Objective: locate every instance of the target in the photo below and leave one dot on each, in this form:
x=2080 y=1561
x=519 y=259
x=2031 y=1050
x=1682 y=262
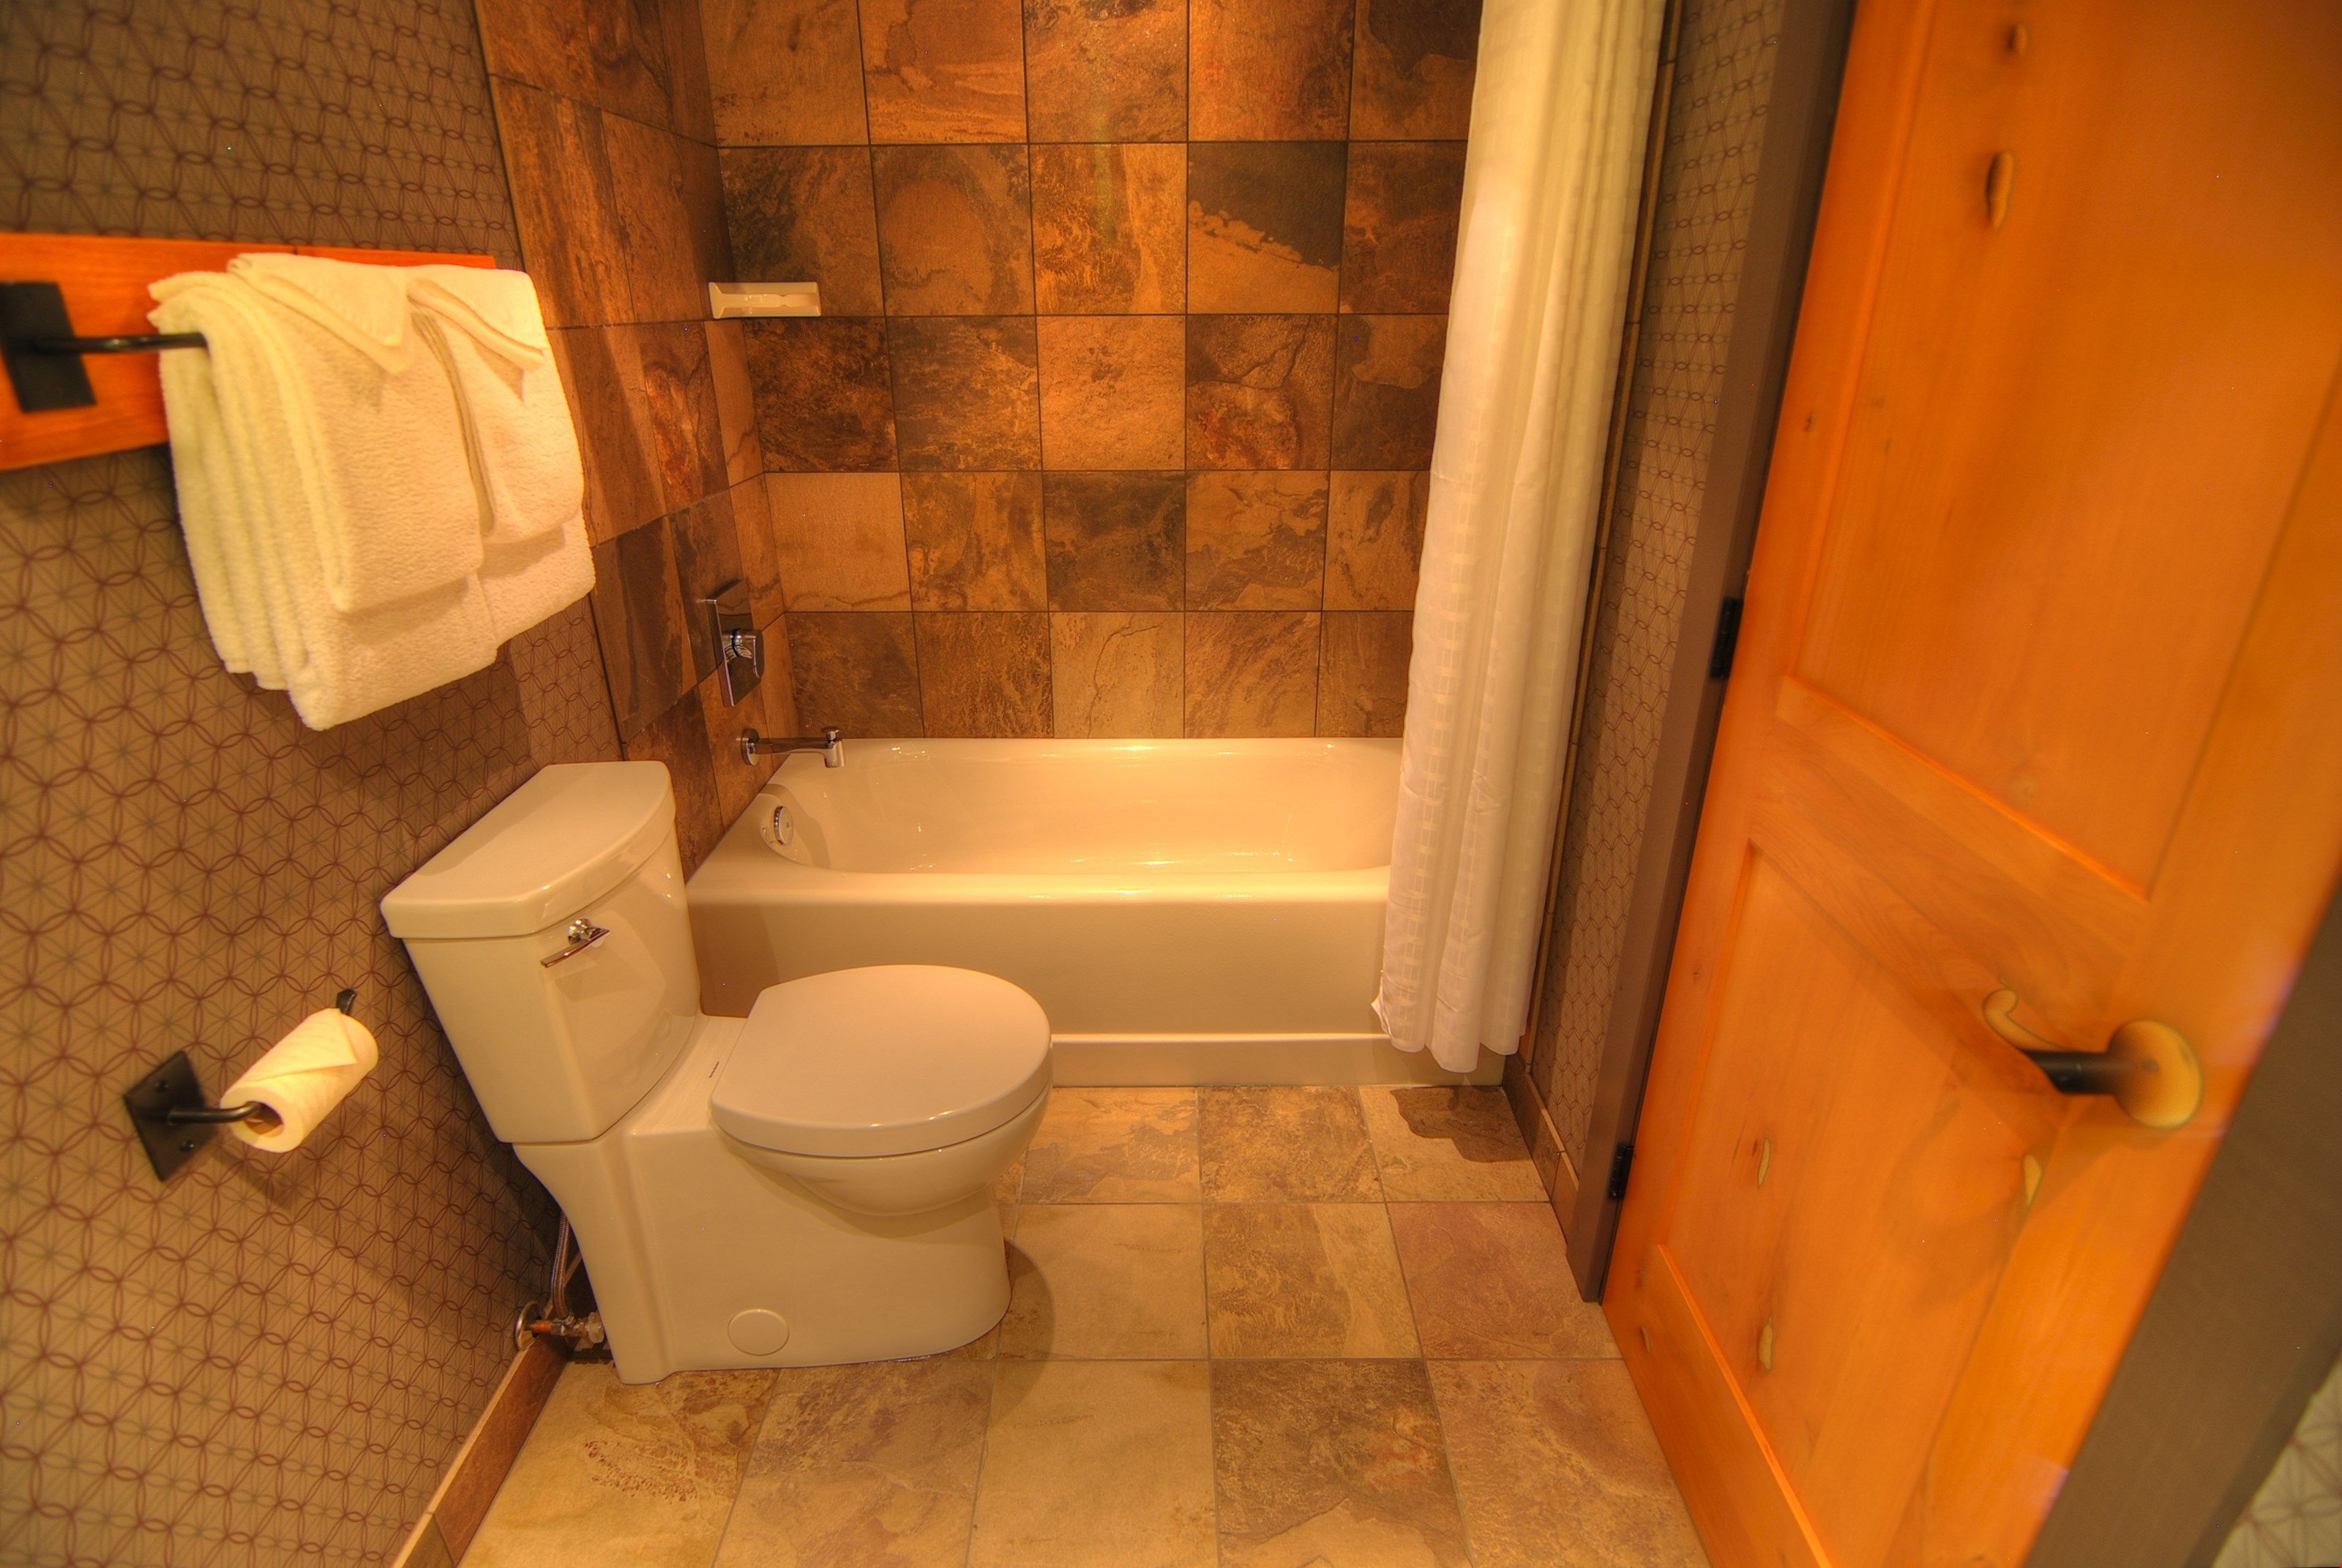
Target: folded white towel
x=523 y=450
x=527 y=580
x=364 y=307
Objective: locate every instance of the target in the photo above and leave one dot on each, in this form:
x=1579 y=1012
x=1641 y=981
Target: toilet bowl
x=809 y=1185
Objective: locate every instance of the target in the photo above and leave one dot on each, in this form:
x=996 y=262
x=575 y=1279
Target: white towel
x=516 y=416
x=529 y=579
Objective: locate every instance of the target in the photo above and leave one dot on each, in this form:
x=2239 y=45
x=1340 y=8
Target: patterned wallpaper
x=1117 y=420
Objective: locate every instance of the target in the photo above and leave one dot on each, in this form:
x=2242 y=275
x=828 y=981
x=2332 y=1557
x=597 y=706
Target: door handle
x=583 y=934
x=2147 y=1068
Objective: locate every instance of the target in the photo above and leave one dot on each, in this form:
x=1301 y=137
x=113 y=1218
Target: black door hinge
x=1622 y=1159
x=1727 y=638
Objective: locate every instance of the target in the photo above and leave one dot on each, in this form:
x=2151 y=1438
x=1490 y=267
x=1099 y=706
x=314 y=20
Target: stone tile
x=760 y=561
x=1262 y=73
x=1387 y=390
x=1305 y=1280
x=735 y=400
x=976 y=541
x=805 y=215
x=1265 y=225
x=1113 y=1145
x=685 y=423
x=1330 y=1462
x=984 y=672
x=1373 y=540
x=873 y=1465
x=824 y=397
x=1286 y=1144
x=601 y=371
x=1107 y=70
x=1113 y=391
x=785 y=73
x=736 y=778
x=1106 y=1282
x=565 y=205
x=1558 y=1467
x=638 y=612
x=706 y=558
x=839 y=540
x=1436 y=1141
x=1252 y=673
x=1492 y=1281
x=944 y=70
x=1362 y=672
x=1413 y=75
x=858 y=671
x=1260 y=391
x=641 y=1473
x=1133 y=1442
x=1255 y=541
x=670 y=206
x=968 y=392
x=1114 y=675
x=1110 y=228
x=1399 y=225
x=678 y=738
x=1116 y=541
x=954 y=229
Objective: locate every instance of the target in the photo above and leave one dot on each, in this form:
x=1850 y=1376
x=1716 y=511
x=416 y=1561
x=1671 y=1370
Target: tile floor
x=1250 y=1327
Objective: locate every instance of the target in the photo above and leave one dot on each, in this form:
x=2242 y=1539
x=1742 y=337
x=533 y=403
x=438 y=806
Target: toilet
x=809 y=1185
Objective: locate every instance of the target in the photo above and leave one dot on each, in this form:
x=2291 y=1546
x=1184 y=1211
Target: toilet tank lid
x=550 y=848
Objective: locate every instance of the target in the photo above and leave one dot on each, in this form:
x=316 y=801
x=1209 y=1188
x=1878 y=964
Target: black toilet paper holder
x=170 y=1115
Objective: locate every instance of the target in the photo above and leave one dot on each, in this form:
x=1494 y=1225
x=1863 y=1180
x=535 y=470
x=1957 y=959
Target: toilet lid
x=888 y=1060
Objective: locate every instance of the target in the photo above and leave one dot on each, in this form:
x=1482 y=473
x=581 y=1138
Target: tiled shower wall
x=1117 y=418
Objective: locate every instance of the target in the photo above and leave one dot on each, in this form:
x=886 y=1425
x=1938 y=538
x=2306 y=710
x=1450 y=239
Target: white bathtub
x=1188 y=912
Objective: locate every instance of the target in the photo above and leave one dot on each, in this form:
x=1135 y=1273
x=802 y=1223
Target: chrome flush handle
x=583 y=934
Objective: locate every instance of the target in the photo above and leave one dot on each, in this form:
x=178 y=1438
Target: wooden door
x=2040 y=689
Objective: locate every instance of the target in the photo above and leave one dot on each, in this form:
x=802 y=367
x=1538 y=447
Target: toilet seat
x=888 y=1060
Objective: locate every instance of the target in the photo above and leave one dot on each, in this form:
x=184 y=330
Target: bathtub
x=1186 y=912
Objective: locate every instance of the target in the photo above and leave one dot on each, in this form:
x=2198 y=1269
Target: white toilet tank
x=558 y=1052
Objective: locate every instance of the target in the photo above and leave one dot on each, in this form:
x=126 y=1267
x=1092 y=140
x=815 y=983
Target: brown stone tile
x=1448 y=1141
x=1131 y=1440
x=968 y=392
x=1113 y=1147
x=944 y=70
x=638 y=612
x=954 y=230
x=1399 y=225
x=805 y=215
x=735 y=400
x=785 y=73
x=1252 y=673
x=1110 y=228
x=1492 y=1281
x=856 y=670
x=1262 y=73
x=1362 y=672
x=670 y=206
x=613 y=1472
x=874 y=1466
x=1107 y=70
x=707 y=557
x=565 y=205
x=736 y=777
x=685 y=421
x=760 y=561
x=1260 y=391
x=1116 y=541
x=1113 y=391
x=984 y=672
x=1255 y=541
x=1114 y=675
x=1264 y=226
x=1414 y=68
x=976 y=541
x=1305 y=1280
x=839 y=539
x=1286 y=1144
x=679 y=738
x=1104 y=1282
x=1331 y=1462
x=601 y=371
x=1387 y=390
x=824 y=398
x=1373 y=540
x=1558 y=1467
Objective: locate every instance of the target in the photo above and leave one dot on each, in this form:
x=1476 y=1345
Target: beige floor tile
x=1491 y=1280
x=1295 y=1144
x=1305 y=1280
x=873 y=1465
x=1096 y=1464
x=1558 y=1467
x=1106 y=1282
x=1440 y=1143
x=1113 y=1147
x=1331 y=1462
x=641 y=1473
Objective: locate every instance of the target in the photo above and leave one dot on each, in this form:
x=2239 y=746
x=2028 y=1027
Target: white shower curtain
x=1550 y=185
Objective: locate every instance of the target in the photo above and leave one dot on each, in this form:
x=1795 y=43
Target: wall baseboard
x=452 y=1518
x=1546 y=1150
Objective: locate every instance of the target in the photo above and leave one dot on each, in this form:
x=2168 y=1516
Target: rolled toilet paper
x=302 y=1077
